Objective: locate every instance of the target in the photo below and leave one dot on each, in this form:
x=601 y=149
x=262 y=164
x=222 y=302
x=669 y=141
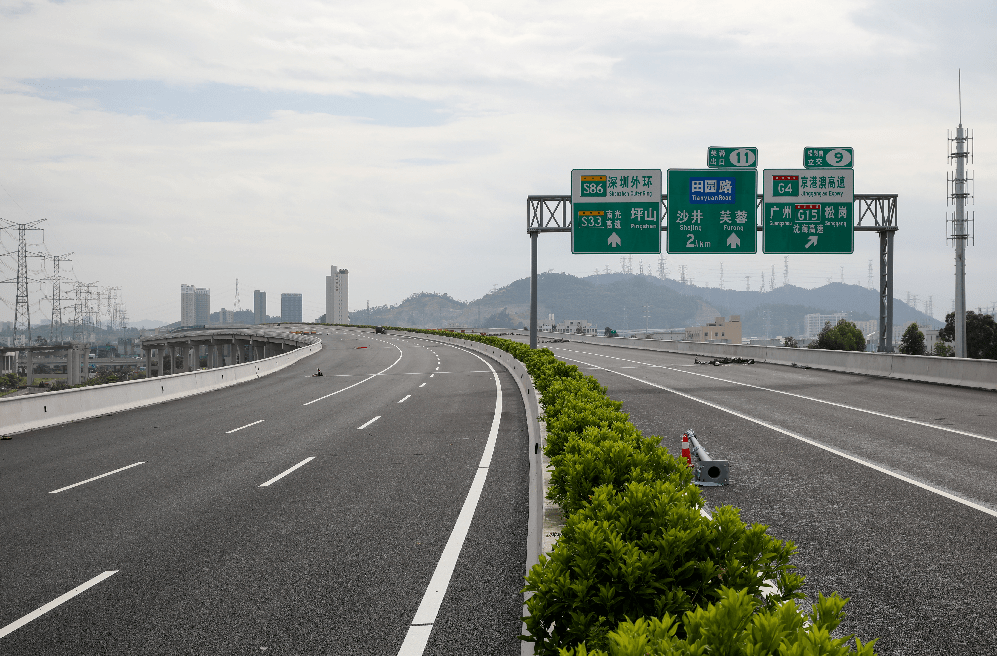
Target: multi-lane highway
x=382 y=504
x=888 y=488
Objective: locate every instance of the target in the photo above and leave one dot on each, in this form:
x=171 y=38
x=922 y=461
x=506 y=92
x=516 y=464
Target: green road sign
x=711 y=211
x=615 y=211
x=830 y=157
x=807 y=211
x=719 y=157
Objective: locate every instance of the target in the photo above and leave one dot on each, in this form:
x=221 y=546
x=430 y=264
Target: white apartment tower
x=337 y=296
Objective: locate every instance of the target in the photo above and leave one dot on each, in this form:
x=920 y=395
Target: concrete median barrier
x=981 y=374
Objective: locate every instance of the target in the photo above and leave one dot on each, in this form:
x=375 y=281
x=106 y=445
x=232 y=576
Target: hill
x=631 y=302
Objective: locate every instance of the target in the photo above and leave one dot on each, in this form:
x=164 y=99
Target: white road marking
x=285 y=473
x=246 y=426
x=400 y=354
x=369 y=422
x=437 y=367
x=407 y=396
x=422 y=624
x=829 y=449
x=69 y=487
x=423 y=385
x=806 y=398
x=35 y=614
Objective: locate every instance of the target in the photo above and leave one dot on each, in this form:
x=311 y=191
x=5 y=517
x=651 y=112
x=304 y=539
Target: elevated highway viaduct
x=887 y=487
x=288 y=514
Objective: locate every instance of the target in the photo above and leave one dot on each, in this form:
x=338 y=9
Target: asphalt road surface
x=263 y=519
x=888 y=488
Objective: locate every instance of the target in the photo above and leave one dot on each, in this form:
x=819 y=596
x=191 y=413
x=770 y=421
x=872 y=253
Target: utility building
x=290 y=308
x=337 y=290
x=719 y=331
x=259 y=307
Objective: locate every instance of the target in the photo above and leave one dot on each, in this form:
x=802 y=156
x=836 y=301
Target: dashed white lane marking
x=400 y=354
x=69 y=487
x=369 y=422
x=407 y=396
x=423 y=385
x=422 y=624
x=35 y=614
x=799 y=396
x=288 y=471
x=246 y=426
x=829 y=449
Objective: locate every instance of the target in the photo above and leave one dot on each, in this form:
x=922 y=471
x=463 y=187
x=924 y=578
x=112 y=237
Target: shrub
x=735 y=626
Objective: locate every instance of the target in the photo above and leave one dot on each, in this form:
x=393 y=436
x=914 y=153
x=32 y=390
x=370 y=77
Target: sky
x=204 y=142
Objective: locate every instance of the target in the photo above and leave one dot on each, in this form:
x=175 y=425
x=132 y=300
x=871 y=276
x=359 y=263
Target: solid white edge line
x=865 y=463
x=285 y=473
x=35 y=614
x=400 y=354
x=407 y=396
x=246 y=426
x=369 y=423
x=422 y=624
x=799 y=396
x=69 y=487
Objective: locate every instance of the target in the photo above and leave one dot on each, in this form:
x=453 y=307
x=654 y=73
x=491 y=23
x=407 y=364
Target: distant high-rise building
x=203 y=297
x=337 y=292
x=259 y=307
x=195 y=306
x=290 y=308
x=188 y=305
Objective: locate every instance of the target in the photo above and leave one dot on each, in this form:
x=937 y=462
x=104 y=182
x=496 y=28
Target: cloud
x=200 y=142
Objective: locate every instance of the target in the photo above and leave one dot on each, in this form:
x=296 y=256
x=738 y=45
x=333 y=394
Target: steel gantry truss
x=874 y=213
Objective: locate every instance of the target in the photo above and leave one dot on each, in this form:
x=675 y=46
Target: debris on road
x=718 y=362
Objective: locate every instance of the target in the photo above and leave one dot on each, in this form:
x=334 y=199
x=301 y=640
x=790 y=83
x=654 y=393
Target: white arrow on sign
x=813 y=241
x=733 y=241
x=614 y=240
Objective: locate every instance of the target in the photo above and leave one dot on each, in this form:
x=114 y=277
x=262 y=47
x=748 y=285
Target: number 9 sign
x=822 y=158
x=839 y=157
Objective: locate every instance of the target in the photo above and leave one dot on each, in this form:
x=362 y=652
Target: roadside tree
x=845 y=336
x=981 y=334
x=912 y=343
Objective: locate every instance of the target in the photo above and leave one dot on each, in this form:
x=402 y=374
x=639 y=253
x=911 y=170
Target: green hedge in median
x=639 y=569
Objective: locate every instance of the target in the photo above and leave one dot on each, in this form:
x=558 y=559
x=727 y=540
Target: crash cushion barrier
x=25 y=413
x=963 y=372
x=537 y=435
